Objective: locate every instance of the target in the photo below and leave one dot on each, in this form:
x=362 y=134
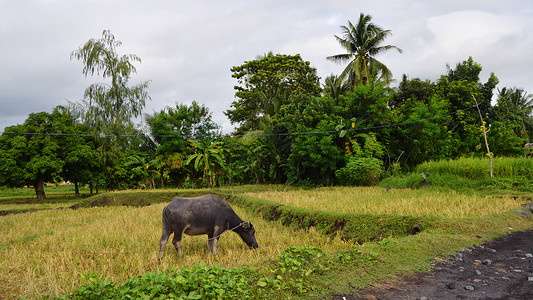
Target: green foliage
x=360 y=171
x=515 y=108
x=314 y=157
x=293 y=268
x=266 y=84
x=171 y=128
x=208 y=159
x=198 y=282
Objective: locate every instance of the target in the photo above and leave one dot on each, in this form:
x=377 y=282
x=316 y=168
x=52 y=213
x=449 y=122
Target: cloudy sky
x=188 y=47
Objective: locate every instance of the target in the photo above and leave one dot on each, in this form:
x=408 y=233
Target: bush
x=360 y=171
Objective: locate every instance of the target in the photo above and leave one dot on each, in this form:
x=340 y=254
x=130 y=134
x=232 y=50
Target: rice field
x=375 y=200
x=46 y=252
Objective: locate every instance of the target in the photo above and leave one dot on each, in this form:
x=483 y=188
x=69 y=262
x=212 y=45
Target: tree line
x=289 y=128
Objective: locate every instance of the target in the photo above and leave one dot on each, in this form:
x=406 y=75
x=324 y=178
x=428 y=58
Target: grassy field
x=45 y=253
x=376 y=200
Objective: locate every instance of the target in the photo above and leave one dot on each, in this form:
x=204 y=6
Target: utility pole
x=489 y=154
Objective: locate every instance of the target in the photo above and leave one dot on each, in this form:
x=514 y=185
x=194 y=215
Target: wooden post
x=485 y=135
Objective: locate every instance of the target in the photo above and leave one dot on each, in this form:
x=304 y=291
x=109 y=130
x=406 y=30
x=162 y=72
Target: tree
x=267 y=83
x=171 y=128
x=362 y=43
x=516 y=105
x=335 y=86
x=37 y=151
x=108 y=108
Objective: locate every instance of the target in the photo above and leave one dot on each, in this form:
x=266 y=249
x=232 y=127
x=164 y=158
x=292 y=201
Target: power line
x=240 y=135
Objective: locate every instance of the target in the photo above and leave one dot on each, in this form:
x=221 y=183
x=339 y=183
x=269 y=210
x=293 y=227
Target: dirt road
x=499 y=269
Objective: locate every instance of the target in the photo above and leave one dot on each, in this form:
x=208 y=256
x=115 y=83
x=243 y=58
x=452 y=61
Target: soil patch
x=499 y=269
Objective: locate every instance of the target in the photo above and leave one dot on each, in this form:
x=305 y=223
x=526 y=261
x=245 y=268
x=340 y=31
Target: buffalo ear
x=246 y=226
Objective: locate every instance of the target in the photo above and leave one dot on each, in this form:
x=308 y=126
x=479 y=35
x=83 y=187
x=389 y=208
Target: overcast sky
x=188 y=47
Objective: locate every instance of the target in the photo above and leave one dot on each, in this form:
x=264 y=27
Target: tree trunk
x=161 y=175
x=91 y=188
x=76 y=190
x=39 y=188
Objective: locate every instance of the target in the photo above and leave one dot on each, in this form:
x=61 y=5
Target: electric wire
x=242 y=135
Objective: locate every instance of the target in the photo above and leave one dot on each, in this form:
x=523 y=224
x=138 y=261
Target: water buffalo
x=207 y=214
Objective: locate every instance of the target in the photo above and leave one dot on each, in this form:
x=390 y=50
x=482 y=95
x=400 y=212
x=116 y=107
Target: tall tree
x=109 y=107
x=362 y=43
x=516 y=105
x=267 y=83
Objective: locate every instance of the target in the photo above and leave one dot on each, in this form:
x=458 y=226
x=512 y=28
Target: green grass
x=477 y=168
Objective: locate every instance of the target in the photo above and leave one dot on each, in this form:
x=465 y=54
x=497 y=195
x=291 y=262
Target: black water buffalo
x=207 y=214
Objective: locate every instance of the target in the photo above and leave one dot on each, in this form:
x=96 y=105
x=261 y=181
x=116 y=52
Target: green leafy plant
x=360 y=171
x=198 y=282
x=293 y=268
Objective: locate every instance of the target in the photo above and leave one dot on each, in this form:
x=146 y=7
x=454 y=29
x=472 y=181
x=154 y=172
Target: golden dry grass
x=44 y=253
x=375 y=200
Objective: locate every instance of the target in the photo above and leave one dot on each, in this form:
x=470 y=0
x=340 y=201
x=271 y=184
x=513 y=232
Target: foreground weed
x=198 y=282
x=355 y=256
x=293 y=269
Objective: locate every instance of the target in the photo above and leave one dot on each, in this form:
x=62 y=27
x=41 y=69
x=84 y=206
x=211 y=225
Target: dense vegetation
x=354 y=129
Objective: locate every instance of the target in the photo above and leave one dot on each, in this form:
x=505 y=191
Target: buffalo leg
x=176 y=241
x=164 y=238
x=213 y=240
x=212 y=243
x=209 y=244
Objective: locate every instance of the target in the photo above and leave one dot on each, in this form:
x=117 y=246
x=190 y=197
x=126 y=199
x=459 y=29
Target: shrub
x=360 y=171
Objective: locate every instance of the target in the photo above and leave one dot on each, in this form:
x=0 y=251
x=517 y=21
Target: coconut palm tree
x=334 y=86
x=518 y=105
x=362 y=43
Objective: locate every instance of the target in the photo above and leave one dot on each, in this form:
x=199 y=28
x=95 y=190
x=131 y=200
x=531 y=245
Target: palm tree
x=335 y=86
x=207 y=158
x=362 y=43
x=518 y=105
